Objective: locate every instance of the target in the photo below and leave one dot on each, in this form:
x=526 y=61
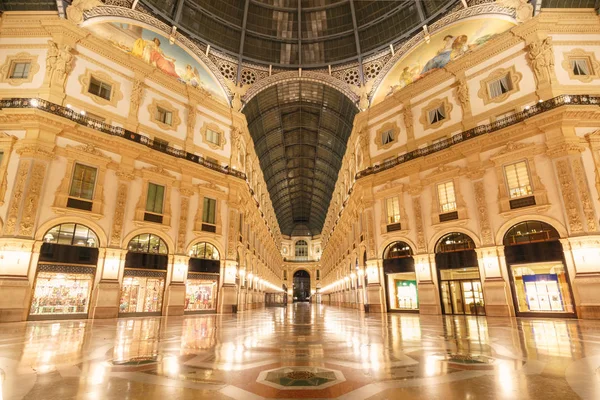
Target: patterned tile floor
x=304 y=351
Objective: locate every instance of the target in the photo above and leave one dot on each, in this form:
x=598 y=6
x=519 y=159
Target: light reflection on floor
x=314 y=351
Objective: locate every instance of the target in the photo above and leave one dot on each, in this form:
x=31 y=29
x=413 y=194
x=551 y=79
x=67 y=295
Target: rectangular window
x=155 y=199
x=446 y=197
x=498 y=87
x=164 y=116
x=20 y=70
x=393 y=210
x=517 y=179
x=99 y=88
x=436 y=115
x=83 y=182
x=213 y=137
x=580 y=66
x=209 y=211
x=387 y=136
x=1 y=157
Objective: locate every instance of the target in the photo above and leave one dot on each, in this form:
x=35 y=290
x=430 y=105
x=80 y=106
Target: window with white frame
x=387 y=136
x=155 y=198
x=164 y=116
x=213 y=137
x=499 y=86
x=446 y=197
x=99 y=88
x=436 y=115
x=581 y=66
x=392 y=206
x=517 y=180
x=20 y=69
x=82 y=182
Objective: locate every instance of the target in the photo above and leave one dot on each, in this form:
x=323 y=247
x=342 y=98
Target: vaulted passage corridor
x=302 y=351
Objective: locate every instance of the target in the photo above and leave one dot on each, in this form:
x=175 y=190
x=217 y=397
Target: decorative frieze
x=119 y=215
x=569 y=195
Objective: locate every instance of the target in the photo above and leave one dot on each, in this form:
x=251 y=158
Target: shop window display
x=542 y=287
x=61 y=293
x=403 y=291
x=201 y=294
x=141 y=294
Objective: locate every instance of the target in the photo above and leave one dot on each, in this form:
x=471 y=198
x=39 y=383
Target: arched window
x=530 y=232
x=397 y=250
x=455 y=241
x=205 y=251
x=72 y=235
x=147 y=243
x=301 y=248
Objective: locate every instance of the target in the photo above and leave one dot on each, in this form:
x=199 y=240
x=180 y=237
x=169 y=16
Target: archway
x=458 y=273
x=65 y=272
x=538 y=274
x=202 y=284
x=400 y=277
x=301 y=285
x=144 y=276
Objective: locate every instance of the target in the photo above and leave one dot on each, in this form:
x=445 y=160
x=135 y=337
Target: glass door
x=473 y=298
x=446 y=305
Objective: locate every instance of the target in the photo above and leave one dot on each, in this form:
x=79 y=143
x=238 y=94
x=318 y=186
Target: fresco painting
x=445 y=46
x=156 y=50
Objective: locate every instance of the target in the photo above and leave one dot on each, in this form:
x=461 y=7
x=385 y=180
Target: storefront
x=65 y=273
x=461 y=291
x=400 y=278
x=201 y=293
x=144 y=277
x=202 y=285
x=539 y=278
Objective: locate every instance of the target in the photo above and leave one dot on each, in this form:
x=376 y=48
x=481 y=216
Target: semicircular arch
x=72 y=219
x=560 y=228
x=166 y=238
x=436 y=238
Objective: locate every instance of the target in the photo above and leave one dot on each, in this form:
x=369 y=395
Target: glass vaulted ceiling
x=307 y=33
x=300 y=130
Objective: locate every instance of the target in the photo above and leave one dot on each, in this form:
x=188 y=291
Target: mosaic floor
x=303 y=351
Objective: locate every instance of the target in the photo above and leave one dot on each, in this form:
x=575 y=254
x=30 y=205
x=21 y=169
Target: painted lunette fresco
x=156 y=50
x=444 y=46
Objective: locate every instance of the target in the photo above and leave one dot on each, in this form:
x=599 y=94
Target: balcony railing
x=502 y=123
x=83 y=120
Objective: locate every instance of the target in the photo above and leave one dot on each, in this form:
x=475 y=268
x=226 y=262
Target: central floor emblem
x=303 y=378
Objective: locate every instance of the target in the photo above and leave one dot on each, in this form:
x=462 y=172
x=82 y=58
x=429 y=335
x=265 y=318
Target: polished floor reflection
x=304 y=351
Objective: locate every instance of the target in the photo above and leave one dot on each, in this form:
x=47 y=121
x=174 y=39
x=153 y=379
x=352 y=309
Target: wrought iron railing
x=510 y=120
x=113 y=130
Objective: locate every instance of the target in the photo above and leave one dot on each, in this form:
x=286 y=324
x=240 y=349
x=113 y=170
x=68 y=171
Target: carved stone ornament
x=137 y=96
x=584 y=196
x=78 y=7
x=462 y=95
x=482 y=211
x=10 y=228
x=569 y=196
x=523 y=10
x=419 y=224
x=32 y=199
x=185 y=202
x=119 y=215
x=540 y=56
x=59 y=64
x=90 y=149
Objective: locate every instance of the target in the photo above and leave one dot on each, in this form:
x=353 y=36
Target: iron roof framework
x=299 y=33
x=300 y=130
